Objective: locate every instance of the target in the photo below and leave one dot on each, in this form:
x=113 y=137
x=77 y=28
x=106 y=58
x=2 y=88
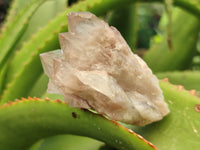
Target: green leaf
x=15 y=30
x=185 y=28
x=3 y=73
x=39 y=87
x=45 y=13
x=22 y=123
x=68 y=142
x=189 y=79
x=14 y=8
x=180 y=129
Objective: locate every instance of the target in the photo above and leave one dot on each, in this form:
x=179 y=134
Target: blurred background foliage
x=169 y=42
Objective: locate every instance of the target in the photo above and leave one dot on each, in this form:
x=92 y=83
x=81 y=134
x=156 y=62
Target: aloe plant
x=67 y=118
x=36 y=123
x=42 y=118
x=189 y=79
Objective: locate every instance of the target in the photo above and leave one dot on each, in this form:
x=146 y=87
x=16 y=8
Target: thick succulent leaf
x=24 y=122
x=180 y=129
x=68 y=142
x=39 y=87
x=189 y=79
x=3 y=73
x=160 y=58
x=192 y=6
x=15 y=30
x=16 y=5
x=14 y=8
x=46 y=12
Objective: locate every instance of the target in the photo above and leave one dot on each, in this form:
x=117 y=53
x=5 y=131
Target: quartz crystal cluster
x=95 y=69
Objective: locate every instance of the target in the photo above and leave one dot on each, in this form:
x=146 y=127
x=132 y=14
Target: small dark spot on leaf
x=197 y=107
x=74 y=115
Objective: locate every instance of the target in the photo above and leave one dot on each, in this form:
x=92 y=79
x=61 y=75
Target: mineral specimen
x=95 y=69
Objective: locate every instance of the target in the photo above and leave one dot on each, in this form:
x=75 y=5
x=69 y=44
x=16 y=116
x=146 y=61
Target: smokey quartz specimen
x=96 y=69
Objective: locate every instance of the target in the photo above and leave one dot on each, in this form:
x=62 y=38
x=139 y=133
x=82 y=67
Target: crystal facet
x=96 y=69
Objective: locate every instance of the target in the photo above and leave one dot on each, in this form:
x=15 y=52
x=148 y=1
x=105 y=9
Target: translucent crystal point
x=96 y=69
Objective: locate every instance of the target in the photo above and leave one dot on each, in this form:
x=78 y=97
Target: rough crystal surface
x=96 y=69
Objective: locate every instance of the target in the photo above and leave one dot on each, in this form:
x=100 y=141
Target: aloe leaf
x=189 y=79
x=15 y=30
x=192 y=6
x=180 y=129
x=3 y=73
x=52 y=96
x=24 y=122
x=160 y=58
x=52 y=7
x=46 y=12
x=68 y=142
x=39 y=87
x=14 y=8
